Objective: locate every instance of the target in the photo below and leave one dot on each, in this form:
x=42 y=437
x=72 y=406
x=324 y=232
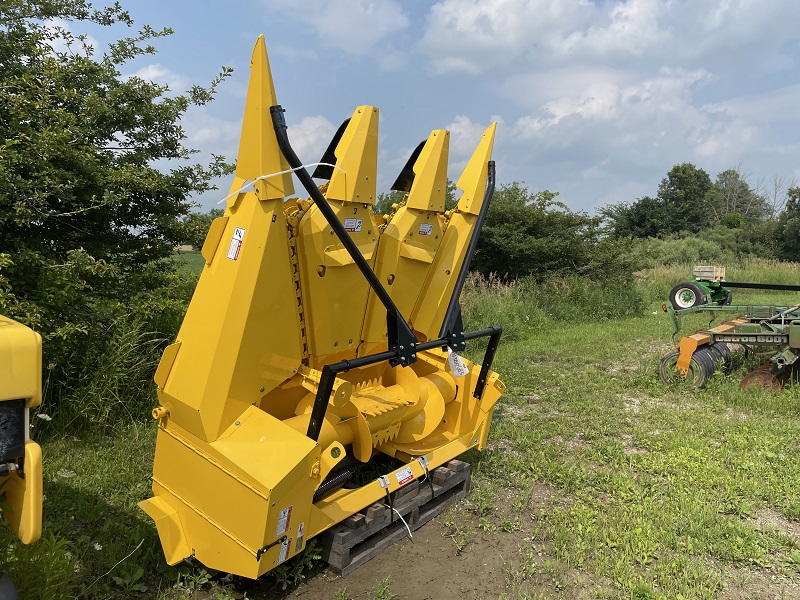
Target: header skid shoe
x=315 y=341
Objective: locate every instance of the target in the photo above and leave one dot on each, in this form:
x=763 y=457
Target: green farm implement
x=771 y=331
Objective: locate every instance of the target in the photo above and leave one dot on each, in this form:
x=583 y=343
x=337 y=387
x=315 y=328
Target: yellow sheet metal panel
x=21 y=357
x=248 y=489
x=240 y=336
x=438 y=287
x=357 y=159
x=429 y=189
x=473 y=179
x=170 y=529
x=406 y=250
x=23 y=497
x=333 y=288
x=213 y=238
x=259 y=154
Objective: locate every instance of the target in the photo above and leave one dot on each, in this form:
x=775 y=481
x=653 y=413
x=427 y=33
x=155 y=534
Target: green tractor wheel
x=687 y=295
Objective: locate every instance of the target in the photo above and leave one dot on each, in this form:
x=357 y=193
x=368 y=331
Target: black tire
x=687 y=295
x=726 y=301
x=697 y=376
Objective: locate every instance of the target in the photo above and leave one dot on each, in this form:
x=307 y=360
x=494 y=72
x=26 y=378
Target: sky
x=595 y=100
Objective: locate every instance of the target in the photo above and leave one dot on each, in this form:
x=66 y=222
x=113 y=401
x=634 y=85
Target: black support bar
x=329 y=373
x=787 y=287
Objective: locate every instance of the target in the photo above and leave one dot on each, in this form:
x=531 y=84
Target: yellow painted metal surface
x=235 y=474
x=409 y=242
x=21 y=379
x=24 y=497
x=21 y=360
x=434 y=296
x=357 y=158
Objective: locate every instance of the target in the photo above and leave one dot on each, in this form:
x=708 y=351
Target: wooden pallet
x=366 y=534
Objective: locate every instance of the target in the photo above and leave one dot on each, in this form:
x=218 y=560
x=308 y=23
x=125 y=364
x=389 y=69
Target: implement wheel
x=700 y=369
x=687 y=295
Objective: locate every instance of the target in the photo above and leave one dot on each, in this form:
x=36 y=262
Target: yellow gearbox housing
x=319 y=336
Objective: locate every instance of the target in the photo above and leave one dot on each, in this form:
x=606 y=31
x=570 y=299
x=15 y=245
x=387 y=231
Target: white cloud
x=354 y=26
x=162 y=76
x=310 y=137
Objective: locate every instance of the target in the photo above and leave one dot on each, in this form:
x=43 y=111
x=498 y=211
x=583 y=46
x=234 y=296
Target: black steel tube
x=453 y=308
x=761 y=286
x=397 y=325
x=488 y=357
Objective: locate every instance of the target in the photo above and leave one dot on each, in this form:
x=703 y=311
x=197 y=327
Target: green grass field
x=619 y=486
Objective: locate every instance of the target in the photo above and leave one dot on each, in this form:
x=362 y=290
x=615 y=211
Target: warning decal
x=284 y=518
x=236 y=243
x=425 y=229
x=404 y=476
x=353 y=225
x=284 y=552
x=299 y=545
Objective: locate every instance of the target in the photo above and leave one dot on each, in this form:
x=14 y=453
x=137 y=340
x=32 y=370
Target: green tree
x=86 y=221
x=195 y=227
x=732 y=202
x=683 y=192
x=789 y=226
x=679 y=205
x=532 y=234
x=641 y=219
x=80 y=141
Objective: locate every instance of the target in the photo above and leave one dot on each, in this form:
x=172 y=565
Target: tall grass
x=526 y=306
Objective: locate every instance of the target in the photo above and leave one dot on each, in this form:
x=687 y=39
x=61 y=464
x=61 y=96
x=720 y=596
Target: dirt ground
x=426 y=566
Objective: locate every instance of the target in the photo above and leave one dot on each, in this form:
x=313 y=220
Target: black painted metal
x=488 y=357
x=761 y=286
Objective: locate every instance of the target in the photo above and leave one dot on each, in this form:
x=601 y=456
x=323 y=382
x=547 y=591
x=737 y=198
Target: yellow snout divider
x=320 y=335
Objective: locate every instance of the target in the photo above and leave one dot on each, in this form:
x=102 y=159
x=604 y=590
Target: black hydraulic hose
x=397 y=325
x=453 y=309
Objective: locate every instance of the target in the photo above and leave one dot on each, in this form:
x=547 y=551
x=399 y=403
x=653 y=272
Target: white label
x=353 y=225
x=236 y=243
x=404 y=476
x=426 y=229
x=299 y=545
x=284 y=517
x=284 y=552
x=457 y=364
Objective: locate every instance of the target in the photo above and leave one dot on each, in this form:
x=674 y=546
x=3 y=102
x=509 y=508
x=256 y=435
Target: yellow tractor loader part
x=20 y=457
x=319 y=336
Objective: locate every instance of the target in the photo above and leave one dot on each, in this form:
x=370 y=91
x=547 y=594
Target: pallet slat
x=366 y=534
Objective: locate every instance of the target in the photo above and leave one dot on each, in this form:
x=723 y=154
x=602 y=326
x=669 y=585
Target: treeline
x=765 y=217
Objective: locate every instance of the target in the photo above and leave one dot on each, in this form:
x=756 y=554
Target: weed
x=341 y=594
x=383 y=590
x=129 y=578
x=294 y=571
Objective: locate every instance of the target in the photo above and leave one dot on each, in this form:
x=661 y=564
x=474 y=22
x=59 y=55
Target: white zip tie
x=262 y=177
x=408 y=529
